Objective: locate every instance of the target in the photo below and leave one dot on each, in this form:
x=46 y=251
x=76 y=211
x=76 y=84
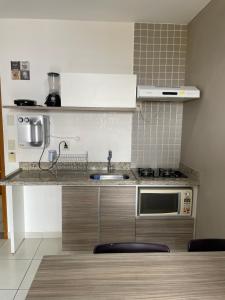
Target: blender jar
x=53 y=99
x=54 y=83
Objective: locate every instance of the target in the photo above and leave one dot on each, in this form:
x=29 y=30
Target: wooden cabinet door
x=80 y=208
x=174 y=232
x=117 y=214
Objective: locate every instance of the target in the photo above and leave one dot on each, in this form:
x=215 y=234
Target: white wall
x=92 y=132
x=67 y=46
x=43 y=216
x=61 y=46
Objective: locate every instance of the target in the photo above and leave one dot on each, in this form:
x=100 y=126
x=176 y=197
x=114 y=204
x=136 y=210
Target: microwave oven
x=165 y=201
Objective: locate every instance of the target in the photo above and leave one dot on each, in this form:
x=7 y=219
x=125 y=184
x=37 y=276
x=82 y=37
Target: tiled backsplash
x=159 y=60
x=156 y=135
x=159 y=54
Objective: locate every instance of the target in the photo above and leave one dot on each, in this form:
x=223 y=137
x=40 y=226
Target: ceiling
x=153 y=11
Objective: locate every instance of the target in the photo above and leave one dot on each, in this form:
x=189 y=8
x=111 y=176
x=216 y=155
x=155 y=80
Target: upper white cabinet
x=98 y=90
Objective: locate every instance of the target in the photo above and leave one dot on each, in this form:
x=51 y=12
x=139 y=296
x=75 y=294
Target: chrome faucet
x=109 y=166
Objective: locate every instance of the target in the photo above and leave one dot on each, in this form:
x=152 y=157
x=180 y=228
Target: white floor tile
x=26 y=283
x=49 y=247
x=21 y=295
x=7 y=294
x=12 y=273
x=26 y=250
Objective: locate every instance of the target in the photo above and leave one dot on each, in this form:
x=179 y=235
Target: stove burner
x=160 y=173
x=167 y=173
x=146 y=172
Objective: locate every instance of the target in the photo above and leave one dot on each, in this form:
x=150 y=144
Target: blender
x=53 y=99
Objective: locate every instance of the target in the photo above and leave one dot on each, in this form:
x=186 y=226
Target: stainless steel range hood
x=152 y=93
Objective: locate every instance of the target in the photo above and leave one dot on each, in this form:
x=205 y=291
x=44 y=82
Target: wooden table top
x=131 y=276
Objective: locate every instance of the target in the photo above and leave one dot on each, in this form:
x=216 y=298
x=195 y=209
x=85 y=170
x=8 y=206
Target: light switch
x=10 y=120
x=11 y=145
x=12 y=157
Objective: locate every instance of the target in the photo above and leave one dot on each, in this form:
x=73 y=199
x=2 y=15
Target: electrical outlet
x=12 y=157
x=66 y=146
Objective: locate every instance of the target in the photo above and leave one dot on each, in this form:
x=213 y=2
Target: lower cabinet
x=80 y=209
x=117 y=214
x=174 y=232
x=92 y=215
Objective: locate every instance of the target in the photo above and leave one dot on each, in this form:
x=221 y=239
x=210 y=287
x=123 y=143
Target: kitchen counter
x=76 y=178
x=79 y=183
x=65 y=177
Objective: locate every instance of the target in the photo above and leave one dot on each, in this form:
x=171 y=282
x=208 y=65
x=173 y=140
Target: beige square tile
x=29 y=277
x=137 y=25
x=12 y=273
x=26 y=250
x=7 y=294
x=143 y=25
x=150 y=26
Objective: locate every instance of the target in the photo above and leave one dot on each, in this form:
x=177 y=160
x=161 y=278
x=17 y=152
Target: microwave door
x=156 y=203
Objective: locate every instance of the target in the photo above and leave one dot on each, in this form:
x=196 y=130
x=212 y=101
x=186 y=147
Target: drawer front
x=164 y=225
x=175 y=233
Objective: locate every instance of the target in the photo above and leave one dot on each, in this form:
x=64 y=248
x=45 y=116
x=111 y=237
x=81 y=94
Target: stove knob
x=26 y=120
x=20 y=120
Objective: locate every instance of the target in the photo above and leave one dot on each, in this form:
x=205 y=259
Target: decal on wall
x=20 y=70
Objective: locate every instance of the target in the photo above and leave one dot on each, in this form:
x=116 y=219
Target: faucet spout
x=109 y=166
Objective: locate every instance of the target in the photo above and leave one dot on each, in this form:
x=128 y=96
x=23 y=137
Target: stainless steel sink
x=109 y=176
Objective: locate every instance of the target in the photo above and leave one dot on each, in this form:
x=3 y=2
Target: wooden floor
x=135 y=276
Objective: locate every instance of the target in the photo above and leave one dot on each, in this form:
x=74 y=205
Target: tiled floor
x=17 y=271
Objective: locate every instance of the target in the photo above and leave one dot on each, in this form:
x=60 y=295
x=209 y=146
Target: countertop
x=76 y=178
x=169 y=276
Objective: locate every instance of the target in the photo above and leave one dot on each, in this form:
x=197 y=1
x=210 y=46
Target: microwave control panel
x=187 y=203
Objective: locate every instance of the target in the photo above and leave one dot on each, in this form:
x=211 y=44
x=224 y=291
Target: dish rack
x=75 y=162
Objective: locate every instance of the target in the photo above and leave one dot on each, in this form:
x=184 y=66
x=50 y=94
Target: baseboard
x=43 y=235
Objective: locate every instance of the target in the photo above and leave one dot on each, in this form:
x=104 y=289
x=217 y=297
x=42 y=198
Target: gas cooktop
x=160 y=173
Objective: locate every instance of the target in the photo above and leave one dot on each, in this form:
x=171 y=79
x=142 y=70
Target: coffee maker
x=53 y=99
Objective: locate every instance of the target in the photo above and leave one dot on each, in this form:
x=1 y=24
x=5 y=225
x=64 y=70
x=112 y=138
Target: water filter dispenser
x=33 y=131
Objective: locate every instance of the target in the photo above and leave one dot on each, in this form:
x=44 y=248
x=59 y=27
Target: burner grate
x=160 y=173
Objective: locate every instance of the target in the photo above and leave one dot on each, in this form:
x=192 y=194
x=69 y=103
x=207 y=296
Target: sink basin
x=109 y=176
